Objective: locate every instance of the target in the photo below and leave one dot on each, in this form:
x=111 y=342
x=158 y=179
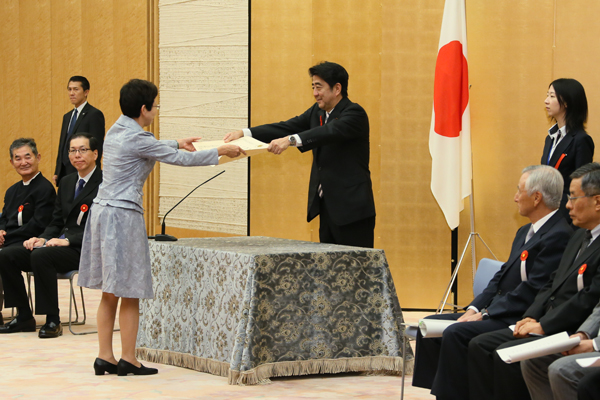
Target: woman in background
x=115 y=255
x=567 y=145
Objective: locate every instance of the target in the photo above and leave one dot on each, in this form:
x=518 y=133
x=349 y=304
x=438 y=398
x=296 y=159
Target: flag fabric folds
x=450 y=133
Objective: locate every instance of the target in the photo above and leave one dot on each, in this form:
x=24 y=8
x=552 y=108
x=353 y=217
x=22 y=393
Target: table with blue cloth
x=251 y=308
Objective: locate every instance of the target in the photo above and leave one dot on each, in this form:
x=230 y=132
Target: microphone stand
x=162 y=237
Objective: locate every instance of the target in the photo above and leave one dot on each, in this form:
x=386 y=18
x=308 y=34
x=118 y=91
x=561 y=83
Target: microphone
x=162 y=237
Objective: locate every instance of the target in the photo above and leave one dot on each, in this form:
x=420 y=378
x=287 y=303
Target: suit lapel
x=547 y=145
x=576 y=262
x=87 y=189
x=559 y=151
x=81 y=117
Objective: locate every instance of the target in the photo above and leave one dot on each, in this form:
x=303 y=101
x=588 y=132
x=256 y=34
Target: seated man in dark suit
x=83 y=118
x=441 y=364
x=57 y=249
x=28 y=203
x=562 y=305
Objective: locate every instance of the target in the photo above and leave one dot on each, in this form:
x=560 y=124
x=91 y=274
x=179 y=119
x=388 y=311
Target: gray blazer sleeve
x=147 y=146
x=592 y=324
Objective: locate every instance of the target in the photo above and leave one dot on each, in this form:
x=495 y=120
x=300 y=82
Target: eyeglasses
x=157 y=106
x=80 y=151
x=572 y=199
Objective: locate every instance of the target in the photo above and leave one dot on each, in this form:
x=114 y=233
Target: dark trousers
x=359 y=233
x=45 y=263
x=441 y=363
x=589 y=386
x=489 y=376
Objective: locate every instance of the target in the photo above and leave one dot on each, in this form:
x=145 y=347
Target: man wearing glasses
x=562 y=305
x=83 y=118
x=57 y=249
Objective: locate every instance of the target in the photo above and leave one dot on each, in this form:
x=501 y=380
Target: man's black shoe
x=15 y=326
x=51 y=330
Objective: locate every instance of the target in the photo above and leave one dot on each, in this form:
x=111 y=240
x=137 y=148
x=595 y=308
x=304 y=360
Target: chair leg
x=403 y=364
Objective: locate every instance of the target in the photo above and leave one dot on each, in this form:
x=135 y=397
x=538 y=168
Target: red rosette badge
x=524 y=255
x=21 y=208
x=84 y=208
x=582 y=269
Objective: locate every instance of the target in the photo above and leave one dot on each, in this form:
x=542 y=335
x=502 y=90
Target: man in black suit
x=337 y=132
x=562 y=305
x=83 y=118
x=57 y=249
x=441 y=364
x=28 y=203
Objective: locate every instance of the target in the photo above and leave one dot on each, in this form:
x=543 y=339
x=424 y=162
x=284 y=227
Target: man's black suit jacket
x=507 y=297
x=67 y=209
x=340 y=158
x=559 y=306
x=37 y=200
x=578 y=150
x=91 y=120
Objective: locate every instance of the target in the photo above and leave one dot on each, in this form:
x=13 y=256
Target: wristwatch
x=292 y=140
x=484 y=314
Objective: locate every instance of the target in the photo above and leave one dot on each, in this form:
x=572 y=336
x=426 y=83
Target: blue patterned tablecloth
x=251 y=308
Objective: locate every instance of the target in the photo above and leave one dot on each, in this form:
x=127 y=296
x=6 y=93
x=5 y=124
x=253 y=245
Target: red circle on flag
x=524 y=255
x=451 y=89
x=582 y=269
x=84 y=208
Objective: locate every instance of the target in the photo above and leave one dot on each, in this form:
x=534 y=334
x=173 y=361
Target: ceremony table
x=251 y=308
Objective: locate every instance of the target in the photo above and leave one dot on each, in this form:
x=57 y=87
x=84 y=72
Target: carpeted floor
x=33 y=368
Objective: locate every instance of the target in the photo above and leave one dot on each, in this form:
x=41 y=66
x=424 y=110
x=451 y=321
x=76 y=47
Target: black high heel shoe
x=101 y=366
x=124 y=368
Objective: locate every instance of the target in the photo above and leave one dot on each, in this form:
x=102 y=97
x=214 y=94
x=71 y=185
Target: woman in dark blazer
x=567 y=145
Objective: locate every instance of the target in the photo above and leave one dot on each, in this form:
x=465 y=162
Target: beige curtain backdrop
x=516 y=48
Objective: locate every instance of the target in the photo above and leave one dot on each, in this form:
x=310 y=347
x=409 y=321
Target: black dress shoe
x=15 y=326
x=101 y=366
x=50 y=330
x=124 y=368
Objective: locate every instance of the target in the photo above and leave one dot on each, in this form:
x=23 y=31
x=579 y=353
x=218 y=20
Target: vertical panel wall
x=204 y=92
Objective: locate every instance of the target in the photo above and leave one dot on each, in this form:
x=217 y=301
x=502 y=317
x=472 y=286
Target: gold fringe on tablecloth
x=306 y=367
x=262 y=373
x=184 y=360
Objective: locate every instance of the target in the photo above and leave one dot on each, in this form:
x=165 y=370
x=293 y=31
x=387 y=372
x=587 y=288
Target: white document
x=549 y=345
x=250 y=145
x=432 y=328
x=589 y=362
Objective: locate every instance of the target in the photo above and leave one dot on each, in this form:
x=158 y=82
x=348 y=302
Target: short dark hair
x=571 y=95
x=135 y=94
x=331 y=73
x=85 y=84
x=590 y=178
x=93 y=141
x=17 y=144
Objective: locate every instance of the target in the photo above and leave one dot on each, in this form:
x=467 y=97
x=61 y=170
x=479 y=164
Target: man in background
x=83 y=118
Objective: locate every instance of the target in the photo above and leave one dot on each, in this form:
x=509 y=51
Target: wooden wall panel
x=281 y=53
x=43 y=44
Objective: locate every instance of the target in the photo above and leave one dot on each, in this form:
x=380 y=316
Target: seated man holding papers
x=558 y=377
x=562 y=305
x=441 y=364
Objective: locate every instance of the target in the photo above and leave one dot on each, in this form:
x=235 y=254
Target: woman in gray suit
x=115 y=256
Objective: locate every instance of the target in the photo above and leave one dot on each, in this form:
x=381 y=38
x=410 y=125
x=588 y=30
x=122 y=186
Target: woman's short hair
x=135 y=94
